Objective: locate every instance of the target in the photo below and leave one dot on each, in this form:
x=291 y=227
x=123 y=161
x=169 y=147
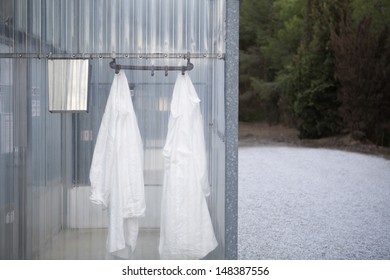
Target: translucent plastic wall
x=121 y=26
x=45 y=157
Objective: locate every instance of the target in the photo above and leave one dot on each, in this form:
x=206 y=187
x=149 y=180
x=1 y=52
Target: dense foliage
x=363 y=70
x=321 y=65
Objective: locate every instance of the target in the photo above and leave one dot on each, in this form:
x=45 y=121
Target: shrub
x=363 y=71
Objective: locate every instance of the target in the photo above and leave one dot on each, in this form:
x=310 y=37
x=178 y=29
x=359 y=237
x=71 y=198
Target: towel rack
x=152 y=68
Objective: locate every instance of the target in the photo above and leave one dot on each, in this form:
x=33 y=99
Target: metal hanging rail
x=152 y=68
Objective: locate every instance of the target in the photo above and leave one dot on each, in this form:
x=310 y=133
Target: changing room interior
x=45 y=155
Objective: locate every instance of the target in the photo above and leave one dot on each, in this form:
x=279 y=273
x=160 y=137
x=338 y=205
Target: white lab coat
x=116 y=173
x=186 y=230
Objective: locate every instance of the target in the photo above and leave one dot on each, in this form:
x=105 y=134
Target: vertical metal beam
x=231 y=129
x=20 y=115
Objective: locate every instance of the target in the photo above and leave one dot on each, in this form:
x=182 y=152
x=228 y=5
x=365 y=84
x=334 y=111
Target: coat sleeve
x=103 y=154
x=199 y=144
x=129 y=159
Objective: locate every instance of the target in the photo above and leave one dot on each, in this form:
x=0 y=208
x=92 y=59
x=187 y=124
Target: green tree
x=283 y=43
x=255 y=26
x=255 y=23
x=309 y=80
x=363 y=70
x=377 y=10
x=288 y=64
x=270 y=32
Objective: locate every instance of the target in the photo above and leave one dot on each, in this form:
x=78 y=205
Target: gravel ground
x=305 y=203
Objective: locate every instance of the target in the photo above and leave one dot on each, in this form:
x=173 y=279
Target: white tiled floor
x=89 y=244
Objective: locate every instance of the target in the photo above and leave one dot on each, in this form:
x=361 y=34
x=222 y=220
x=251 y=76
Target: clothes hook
x=152 y=71
x=189 y=64
x=166 y=71
x=115 y=66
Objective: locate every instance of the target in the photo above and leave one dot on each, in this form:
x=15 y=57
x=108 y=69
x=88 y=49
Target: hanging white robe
x=186 y=230
x=116 y=173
